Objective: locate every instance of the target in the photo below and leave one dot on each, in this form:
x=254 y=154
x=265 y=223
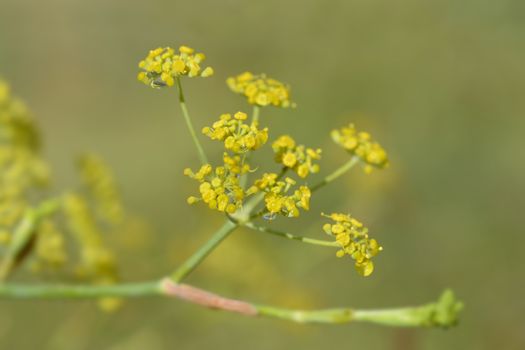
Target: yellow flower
x=97 y=261
x=276 y=199
x=50 y=247
x=237 y=136
x=260 y=90
x=361 y=144
x=21 y=165
x=296 y=157
x=163 y=65
x=101 y=184
x=220 y=188
x=352 y=237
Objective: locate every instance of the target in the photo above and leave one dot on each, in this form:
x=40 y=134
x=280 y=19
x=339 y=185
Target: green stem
x=24 y=233
x=443 y=313
x=338 y=172
x=287 y=235
x=79 y=291
x=185 y=113
x=193 y=261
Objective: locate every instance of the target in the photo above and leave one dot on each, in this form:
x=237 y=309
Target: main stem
x=228 y=227
x=193 y=261
x=185 y=113
x=80 y=291
x=443 y=313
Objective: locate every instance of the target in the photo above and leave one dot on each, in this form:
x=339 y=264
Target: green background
x=439 y=83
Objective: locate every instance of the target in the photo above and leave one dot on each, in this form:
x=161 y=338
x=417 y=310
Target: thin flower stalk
x=318 y=242
x=182 y=102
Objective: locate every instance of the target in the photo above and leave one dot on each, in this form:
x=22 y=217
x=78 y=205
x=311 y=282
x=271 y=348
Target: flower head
x=220 y=188
x=361 y=144
x=260 y=90
x=237 y=135
x=21 y=165
x=50 y=247
x=163 y=65
x=296 y=157
x=279 y=197
x=97 y=262
x=353 y=239
x=99 y=180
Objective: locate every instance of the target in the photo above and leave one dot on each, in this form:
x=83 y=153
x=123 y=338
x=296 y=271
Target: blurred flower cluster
x=72 y=241
x=21 y=167
x=260 y=90
x=361 y=144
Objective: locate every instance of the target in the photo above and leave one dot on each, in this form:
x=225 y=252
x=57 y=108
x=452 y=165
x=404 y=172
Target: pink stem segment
x=206 y=299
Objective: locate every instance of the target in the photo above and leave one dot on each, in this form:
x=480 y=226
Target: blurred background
x=439 y=83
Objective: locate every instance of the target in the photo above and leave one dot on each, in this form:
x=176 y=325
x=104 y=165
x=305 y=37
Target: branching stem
x=24 y=234
x=442 y=313
x=193 y=261
x=337 y=173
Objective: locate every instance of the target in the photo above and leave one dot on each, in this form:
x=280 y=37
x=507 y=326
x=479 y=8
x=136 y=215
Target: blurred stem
x=79 y=291
x=193 y=261
x=443 y=313
x=337 y=173
x=292 y=236
x=182 y=102
x=255 y=114
x=24 y=234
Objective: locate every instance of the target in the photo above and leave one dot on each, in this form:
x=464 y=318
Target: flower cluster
x=163 y=65
x=353 y=239
x=296 y=157
x=24 y=172
x=220 y=188
x=260 y=90
x=100 y=182
x=362 y=145
x=21 y=165
x=238 y=136
x=97 y=263
x=276 y=197
x=50 y=247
